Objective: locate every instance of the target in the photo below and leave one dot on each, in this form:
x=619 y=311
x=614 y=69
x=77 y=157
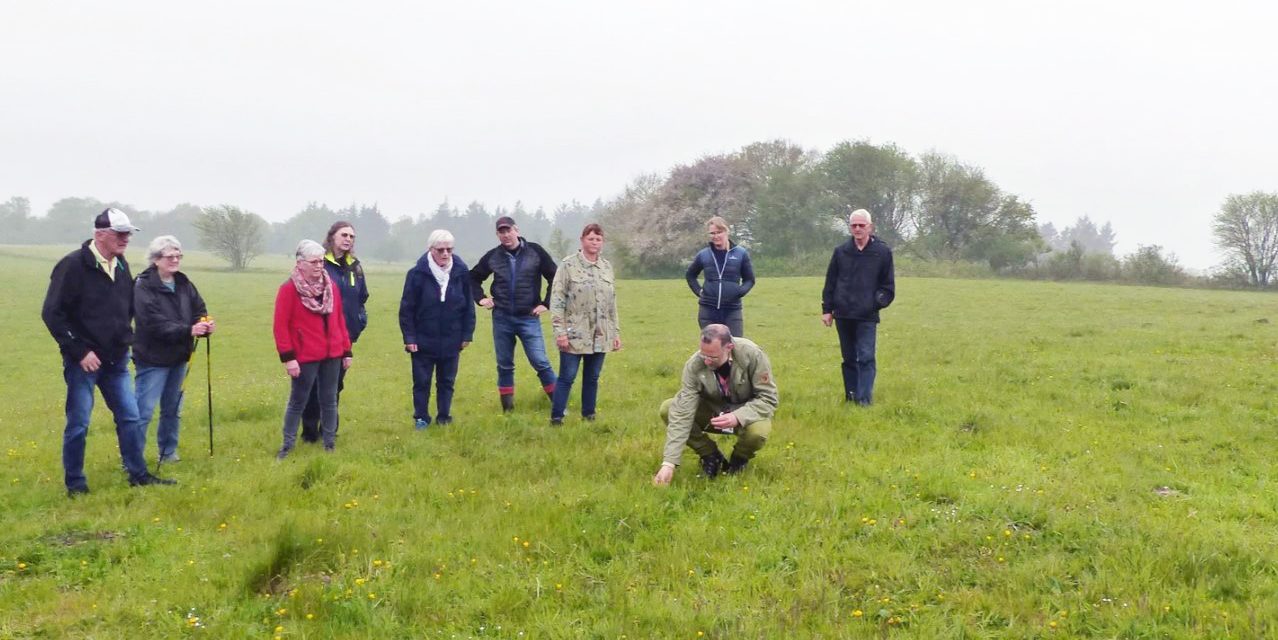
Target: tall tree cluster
x=785 y=201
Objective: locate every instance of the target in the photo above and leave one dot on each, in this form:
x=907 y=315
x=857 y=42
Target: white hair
x=308 y=249
x=437 y=236
x=863 y=213
x=159 y=245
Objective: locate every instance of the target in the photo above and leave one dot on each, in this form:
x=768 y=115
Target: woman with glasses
x=169 y=315
x=311 y=337
x=729 y=276
x=346 y=272
x=437 y=320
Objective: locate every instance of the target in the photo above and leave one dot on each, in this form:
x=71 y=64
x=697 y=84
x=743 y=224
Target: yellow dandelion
x=372 y=596
x=279 y=629
x=310 y=616
x=857 y=614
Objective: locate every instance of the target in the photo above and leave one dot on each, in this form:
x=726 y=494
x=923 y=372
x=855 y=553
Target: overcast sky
x=1145 y=114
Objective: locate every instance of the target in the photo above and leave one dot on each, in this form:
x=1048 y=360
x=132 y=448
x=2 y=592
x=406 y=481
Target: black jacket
x=349 y=276
x=725 y=284
x=516 y=279
x=164 y=318
x=437 y=328
x=86 y=310
x=859 y=282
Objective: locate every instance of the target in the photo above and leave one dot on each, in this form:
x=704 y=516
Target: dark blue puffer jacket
x=727 y=281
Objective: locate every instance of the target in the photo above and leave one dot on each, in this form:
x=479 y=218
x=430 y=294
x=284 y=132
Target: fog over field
x=1142 y=114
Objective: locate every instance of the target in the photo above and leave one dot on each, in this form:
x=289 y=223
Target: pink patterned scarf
x=317 y=297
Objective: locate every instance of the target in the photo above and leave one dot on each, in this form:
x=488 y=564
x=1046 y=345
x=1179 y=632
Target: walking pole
x=208 y=365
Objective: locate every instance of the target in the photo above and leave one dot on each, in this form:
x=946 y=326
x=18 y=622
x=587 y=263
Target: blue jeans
x=113 y=379
x=445 y=372
x=856 y=342
x=163 y=385
x=568 y=364
x=506 y=328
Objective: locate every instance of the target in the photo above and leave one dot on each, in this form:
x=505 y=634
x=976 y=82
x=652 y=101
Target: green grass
x=1043 y=460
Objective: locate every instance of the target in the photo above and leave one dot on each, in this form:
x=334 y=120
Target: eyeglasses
x=172 y=256
x=442 y=249
x=346 y=235
x=858 y=225
x=315 y=261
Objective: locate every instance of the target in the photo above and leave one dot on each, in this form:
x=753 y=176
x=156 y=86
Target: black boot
x=735 y=465
x=712 y=464
x=507 y=402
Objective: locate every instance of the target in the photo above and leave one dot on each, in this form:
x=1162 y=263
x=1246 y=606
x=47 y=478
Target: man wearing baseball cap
x=517 y=267
x=89 y=310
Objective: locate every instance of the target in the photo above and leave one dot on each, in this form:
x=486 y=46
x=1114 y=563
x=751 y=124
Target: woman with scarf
x=437 y=320
x=311 y=337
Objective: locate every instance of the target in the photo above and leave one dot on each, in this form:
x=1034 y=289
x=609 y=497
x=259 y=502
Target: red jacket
x=306 y=336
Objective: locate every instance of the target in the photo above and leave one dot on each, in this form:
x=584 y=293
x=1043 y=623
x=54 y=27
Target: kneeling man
x=727 y=388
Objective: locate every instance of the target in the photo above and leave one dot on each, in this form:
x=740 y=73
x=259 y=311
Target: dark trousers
x=444 y=371
x=319 y=376
x=856 y=342
x=311 y=414
x=733 y=318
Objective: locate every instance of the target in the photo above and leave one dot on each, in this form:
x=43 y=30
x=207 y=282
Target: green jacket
x=583 y=305
x=752 y=394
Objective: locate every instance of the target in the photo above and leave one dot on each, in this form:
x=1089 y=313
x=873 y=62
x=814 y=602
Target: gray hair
x=863 y=213
x=716 y=333
x=308 y=249
x=437 y=236
x=159 y=245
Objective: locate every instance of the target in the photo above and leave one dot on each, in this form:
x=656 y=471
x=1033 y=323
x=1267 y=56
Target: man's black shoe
x=735 y=465
x=507 y=402
x=712 y=464
x=556 y=422
x=75 y=492
x=149 y=479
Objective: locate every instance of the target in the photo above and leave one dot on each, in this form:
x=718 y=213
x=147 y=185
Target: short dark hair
x=592 y=228
x=716 y=333
x=328 y=237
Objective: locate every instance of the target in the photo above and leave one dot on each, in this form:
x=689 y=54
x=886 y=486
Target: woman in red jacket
x=311 y=336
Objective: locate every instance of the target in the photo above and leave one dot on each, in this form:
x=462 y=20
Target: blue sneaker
x=420 y=424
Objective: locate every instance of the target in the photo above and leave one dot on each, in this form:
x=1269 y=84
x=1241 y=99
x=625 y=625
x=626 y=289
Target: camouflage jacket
x=583 y=305
x=752 y=394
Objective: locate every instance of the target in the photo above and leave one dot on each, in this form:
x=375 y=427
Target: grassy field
x=1043 y=460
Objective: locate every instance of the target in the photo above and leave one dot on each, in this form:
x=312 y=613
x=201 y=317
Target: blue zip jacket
x=437 y=328
x=727 y=280
x=349 y=276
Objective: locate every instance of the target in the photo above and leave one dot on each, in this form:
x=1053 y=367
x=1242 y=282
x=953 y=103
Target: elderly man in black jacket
x=859 y=281
x=88 y=309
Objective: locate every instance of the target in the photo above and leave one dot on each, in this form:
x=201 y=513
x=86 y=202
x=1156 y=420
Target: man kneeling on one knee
x=727 y=388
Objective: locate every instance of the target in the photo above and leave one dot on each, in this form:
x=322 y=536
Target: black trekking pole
x=208 y=366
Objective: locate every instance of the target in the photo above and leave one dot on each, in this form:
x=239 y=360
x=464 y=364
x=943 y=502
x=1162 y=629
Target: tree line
x=787 y=204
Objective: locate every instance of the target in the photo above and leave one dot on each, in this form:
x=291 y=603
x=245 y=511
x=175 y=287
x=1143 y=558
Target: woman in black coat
x=437 y=319
x=170 y=315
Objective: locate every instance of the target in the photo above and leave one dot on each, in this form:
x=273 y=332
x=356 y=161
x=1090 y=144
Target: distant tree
x=310 y=223
x=960 y=214
x=559 y=244
x=1246 y=227
x=1091 y=238
x=1149 y=265
x=879 y=179
x=232 y=234
x=15 y=217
